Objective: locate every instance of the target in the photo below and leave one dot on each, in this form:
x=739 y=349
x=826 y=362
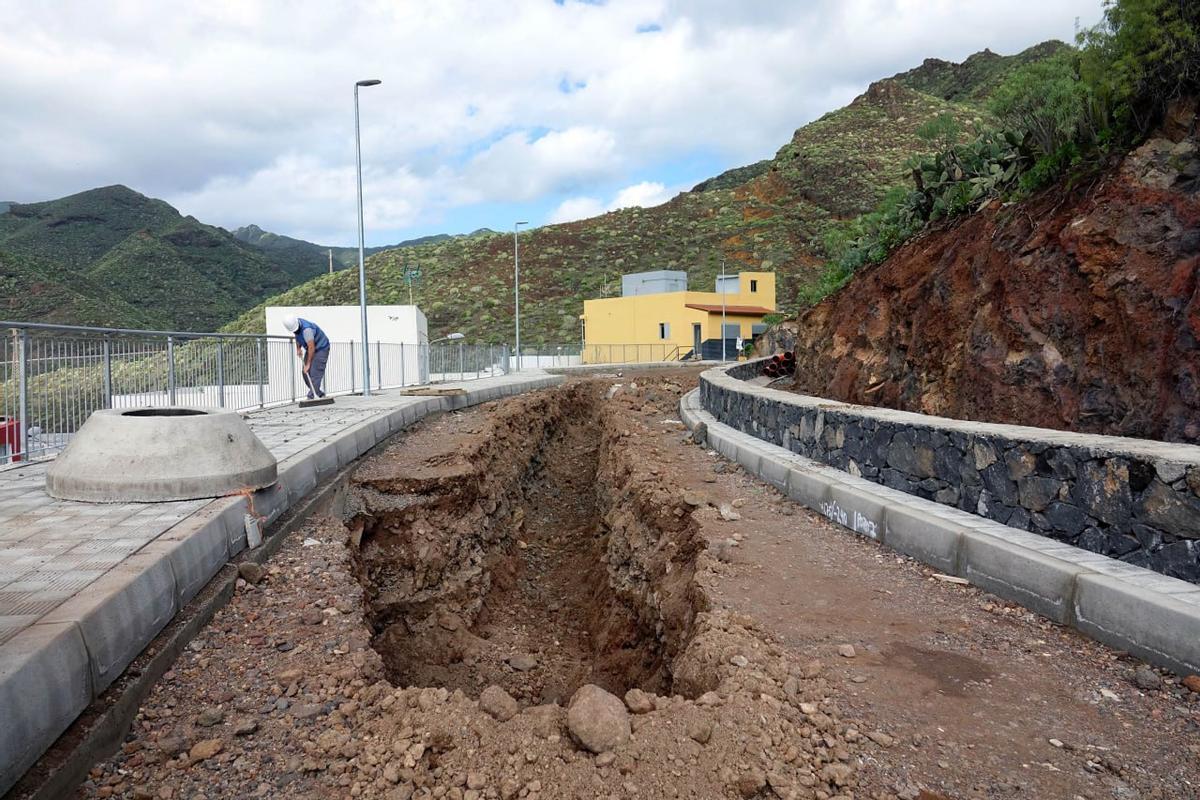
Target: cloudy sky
x=490 y=111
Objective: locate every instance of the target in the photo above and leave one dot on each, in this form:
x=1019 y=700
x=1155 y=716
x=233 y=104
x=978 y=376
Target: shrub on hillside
x=1055 y=114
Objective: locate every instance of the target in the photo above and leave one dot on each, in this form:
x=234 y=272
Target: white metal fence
x=52 y=377
x=564 y=355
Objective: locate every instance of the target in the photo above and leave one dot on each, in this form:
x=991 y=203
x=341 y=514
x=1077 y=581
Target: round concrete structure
x=157 y=454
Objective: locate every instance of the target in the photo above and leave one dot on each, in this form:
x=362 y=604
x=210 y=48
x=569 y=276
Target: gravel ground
x=806 y=662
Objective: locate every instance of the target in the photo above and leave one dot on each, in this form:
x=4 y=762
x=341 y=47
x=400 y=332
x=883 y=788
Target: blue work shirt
x=319 y=339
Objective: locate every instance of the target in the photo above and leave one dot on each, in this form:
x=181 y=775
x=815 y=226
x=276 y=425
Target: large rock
x=1170 y=511
x=597 y=719
x=1102 y=490
x=1035 y=493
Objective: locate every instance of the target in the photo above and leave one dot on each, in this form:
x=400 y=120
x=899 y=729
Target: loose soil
x=575 y=536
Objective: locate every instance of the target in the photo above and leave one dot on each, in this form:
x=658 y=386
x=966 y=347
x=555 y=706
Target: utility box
x=656 y=282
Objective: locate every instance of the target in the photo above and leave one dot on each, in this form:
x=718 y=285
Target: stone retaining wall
x=1131 y=499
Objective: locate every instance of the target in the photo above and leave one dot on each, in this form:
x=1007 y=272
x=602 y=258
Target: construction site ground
x=575 y=537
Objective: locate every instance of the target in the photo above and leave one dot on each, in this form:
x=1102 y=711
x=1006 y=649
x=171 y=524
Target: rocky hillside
x=1079 y=308
x=114 y=257
x=769 y=215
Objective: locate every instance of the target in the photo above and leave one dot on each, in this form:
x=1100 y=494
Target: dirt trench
x=520 y=552
x=530 y=545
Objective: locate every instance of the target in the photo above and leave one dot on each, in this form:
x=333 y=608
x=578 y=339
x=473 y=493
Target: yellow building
x=658 y=319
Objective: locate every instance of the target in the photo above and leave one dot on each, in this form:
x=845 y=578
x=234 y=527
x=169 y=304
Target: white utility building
x=396 y=333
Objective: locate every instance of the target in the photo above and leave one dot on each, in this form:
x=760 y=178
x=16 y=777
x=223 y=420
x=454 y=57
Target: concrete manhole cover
x=160 y=454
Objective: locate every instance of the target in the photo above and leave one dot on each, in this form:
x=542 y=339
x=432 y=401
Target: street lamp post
x=362 y=270
x=517 y=288
x=722 y=309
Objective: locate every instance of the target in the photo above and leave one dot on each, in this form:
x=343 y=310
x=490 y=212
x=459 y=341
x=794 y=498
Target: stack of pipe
x=780 y=365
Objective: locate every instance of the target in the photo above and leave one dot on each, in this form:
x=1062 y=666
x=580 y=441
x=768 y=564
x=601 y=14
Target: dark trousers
x=316 y=373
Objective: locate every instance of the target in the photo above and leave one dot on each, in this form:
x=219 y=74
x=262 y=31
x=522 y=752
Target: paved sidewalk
x=51 y=549
x=84 y=587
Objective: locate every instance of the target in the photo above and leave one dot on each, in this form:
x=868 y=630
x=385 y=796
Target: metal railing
x=52 y=377
x=565 y=355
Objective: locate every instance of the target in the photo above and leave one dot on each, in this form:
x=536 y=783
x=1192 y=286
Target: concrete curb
x=1148 y=614
x=52 y=670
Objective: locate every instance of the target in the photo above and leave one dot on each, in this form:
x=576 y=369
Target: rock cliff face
x=1078 y=309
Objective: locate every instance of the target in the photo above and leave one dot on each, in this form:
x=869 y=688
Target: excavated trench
x=522 y=548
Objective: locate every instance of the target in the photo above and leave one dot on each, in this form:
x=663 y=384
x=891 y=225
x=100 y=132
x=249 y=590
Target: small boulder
x=522 y=662
x=700 y=731
x=251 y=572
x=245 y=727
x=206 y=748
x=639 y=702
x=210 y=717
x=846 y=650
x=1146 y=678
x=597 y=719
x=751 y=782
x=498 y=703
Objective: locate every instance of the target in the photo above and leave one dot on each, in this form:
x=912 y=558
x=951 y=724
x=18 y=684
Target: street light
x=722 y=309
x=517 y=288
x=362 y=270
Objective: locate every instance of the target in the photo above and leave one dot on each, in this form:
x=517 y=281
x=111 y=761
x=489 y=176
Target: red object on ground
x=10 y=436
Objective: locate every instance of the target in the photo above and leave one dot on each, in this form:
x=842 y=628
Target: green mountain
x=38 y=291
x=769 y=215
x=114 y=257
x=284 y=249
x=975 y=79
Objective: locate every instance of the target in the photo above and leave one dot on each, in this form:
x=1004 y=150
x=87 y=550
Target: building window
x=664 y=330
x=753 y=285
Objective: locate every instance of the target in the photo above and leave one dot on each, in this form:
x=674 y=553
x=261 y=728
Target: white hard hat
x=291 y=323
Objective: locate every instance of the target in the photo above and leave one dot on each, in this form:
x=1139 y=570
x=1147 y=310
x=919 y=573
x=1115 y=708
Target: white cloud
x=574 y=208
x=519 y=167
x=241 y=111
x=644 y=194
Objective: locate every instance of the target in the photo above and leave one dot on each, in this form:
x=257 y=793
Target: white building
x=396 y=337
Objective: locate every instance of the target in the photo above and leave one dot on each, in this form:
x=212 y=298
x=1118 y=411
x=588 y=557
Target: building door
x=696 y=340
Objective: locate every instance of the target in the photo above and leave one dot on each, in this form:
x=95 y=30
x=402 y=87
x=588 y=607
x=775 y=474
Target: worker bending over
x=312 y=345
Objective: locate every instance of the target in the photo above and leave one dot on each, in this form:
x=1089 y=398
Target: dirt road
x=574 y=537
